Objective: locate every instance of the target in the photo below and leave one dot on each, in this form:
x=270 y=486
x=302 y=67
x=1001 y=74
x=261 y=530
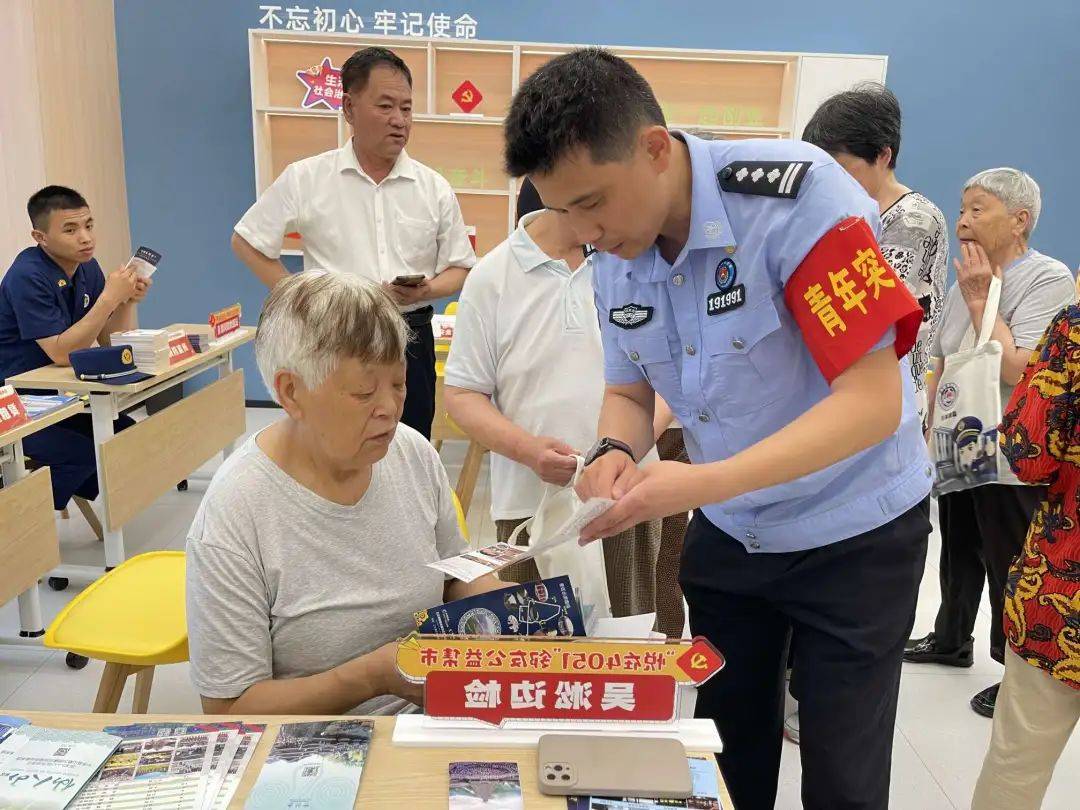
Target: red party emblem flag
x=323 y=83
x=701 y=661
x=467 y=96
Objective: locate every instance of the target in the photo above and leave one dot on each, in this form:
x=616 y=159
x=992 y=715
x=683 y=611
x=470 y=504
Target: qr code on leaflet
x=62 y=752
x=310 y=770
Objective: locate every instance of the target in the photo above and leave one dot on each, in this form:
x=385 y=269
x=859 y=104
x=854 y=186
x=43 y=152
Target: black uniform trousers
x=982 y=531
x=846 y=609
x=419 y=410
x=67 y=449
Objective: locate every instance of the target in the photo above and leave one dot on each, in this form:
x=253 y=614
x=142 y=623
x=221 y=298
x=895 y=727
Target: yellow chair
x=133 y=619
x=451 y=308
x=460 y=516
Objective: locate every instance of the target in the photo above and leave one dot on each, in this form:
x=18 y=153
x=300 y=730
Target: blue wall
x=982 y=84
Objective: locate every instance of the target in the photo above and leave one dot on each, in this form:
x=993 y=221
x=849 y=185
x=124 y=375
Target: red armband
x=844 y=296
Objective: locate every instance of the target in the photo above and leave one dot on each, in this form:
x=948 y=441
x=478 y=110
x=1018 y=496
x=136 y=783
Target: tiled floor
x=939 y=742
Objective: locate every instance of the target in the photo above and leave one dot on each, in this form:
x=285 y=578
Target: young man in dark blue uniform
x=54 y=299
x=743 y=282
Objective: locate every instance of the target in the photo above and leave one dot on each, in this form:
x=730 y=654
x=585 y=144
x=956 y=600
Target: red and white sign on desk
x=180 y=349
x=225 y=321
x=12 y=411
x=575 y=679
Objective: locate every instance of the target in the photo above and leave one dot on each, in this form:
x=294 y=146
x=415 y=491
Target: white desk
x=29 y=547
x=143 y=462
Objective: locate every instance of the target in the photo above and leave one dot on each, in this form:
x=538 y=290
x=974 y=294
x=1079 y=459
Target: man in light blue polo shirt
x=742 y=281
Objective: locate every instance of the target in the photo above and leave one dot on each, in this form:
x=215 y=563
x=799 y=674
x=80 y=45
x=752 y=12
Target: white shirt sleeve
x=455 y=250
x=274 y=214
x=472 y=362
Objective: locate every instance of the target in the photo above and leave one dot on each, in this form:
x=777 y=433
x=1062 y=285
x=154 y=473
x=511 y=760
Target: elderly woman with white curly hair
x=983 y=529
x=306 y=560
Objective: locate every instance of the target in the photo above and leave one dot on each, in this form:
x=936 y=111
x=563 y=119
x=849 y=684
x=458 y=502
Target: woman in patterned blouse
x=1039 y=702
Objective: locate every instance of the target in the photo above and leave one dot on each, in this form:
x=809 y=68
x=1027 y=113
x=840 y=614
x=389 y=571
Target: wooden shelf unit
x=731 y=94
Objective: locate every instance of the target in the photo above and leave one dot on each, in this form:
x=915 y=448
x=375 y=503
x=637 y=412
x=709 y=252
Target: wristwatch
x=605 y=445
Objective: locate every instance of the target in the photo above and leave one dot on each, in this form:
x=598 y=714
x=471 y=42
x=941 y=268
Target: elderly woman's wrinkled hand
x=974 y=272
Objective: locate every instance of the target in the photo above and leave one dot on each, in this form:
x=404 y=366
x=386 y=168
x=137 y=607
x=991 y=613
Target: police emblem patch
x=630 y=316
x=125 y=356
x=725 y=274
x=947 y=395
x=731 y=295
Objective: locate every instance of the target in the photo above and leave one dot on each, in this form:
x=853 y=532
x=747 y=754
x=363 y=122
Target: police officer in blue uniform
x=742 y=281
x=54 y=300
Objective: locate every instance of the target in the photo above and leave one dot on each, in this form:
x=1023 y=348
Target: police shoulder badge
x=767 y=178
x=630 y=316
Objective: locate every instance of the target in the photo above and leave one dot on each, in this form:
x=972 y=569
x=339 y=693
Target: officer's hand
x=610 y=476
x=662 y=489
x=404 y=296
x=141 y=287
x=552 y=460
x=120 y=286
x=974 y=273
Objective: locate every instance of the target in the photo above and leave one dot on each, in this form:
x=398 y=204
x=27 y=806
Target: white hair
x=1017 y=190
x=312 y=320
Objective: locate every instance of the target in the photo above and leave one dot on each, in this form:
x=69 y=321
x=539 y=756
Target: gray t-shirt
x=1034 y=289
x=282 y=583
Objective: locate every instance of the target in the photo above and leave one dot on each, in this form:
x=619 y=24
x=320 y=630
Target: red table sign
x=180 y=349
x=497 y=696
x=225 y=321
x=467 y=96
x=12 y=410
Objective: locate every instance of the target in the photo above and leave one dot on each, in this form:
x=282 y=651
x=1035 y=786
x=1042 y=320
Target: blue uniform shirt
x=734 y=377
x=37 y=300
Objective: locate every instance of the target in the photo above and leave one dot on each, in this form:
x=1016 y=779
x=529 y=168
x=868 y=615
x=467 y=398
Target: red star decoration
x=323 y=83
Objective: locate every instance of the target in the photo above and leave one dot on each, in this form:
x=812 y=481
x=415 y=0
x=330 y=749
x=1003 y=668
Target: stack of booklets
x=176 y=766
x=38 y=405
x=316 y=765
x=46 y=768
x=150 y=347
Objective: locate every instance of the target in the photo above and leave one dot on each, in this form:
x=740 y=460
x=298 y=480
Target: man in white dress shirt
x=370 y=209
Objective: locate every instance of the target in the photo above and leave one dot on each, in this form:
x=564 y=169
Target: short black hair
x=52 y=198
x=358 y=67
x=586 y=98
x=861 y=122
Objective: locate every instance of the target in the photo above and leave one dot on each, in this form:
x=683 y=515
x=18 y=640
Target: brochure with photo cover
x=144 y=262
x=487 y=785
x=161 y=771
x=233 y=747
x=45 y=768
x=706 y=796
x=548 y=607
x=317 y=764
x=8 y=724
x=489 y=559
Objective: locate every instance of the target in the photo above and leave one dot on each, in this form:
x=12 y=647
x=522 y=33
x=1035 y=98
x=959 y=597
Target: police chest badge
x=731 y=295
x=630 y=316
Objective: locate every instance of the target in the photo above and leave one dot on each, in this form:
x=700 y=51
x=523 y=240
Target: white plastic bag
x=583 y=564
x=964 y=440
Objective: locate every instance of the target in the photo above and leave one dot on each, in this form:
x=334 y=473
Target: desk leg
x=224 y=370
x=30 y=621
x=102 y=413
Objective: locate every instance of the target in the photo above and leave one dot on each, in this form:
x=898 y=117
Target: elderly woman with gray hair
x=307 y=558
x=983 y=529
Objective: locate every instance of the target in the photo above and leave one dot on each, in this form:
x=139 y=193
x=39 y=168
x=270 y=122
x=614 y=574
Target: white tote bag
x=964 y=440
x=583 y=564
